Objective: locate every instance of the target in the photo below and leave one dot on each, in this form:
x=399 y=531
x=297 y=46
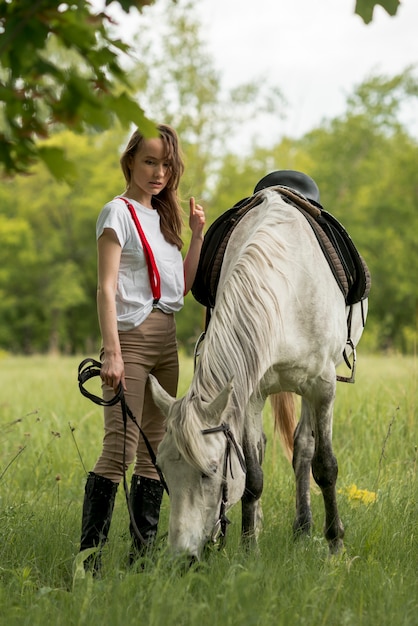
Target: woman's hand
x=113 y=372
x=197 y=223
x=197 y=219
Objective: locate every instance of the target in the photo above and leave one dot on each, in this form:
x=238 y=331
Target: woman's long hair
x=167 y=202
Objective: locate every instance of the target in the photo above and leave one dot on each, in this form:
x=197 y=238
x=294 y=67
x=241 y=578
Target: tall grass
x=50 y=435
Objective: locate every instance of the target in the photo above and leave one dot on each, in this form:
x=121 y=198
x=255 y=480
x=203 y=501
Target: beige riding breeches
x=149 y=348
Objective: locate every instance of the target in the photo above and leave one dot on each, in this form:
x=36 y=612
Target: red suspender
x=153 y=273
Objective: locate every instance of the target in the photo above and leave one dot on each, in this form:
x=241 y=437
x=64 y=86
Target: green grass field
x=50 y=435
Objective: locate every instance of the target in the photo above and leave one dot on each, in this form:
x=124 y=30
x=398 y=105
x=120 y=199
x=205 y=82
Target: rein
x=223 y=521
x=89 y=368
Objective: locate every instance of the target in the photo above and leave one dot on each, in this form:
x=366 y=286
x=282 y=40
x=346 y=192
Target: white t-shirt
x=134 y=299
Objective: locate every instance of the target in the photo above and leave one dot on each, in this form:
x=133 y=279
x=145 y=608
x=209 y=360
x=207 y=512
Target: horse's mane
x=238 y=341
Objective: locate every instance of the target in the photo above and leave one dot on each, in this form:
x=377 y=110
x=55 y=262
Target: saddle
x=347 y=265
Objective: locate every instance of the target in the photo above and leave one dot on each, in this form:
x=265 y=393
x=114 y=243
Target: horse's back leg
x=303 y=450
x=324 y=463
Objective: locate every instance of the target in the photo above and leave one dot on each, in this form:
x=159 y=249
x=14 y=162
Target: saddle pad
x=347 y=265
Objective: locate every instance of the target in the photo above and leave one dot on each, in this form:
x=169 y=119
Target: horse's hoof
x=249 y=542
x=302 y=528
x=336 y=546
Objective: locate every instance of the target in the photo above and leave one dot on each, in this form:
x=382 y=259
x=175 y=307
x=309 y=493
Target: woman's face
x=150 y=171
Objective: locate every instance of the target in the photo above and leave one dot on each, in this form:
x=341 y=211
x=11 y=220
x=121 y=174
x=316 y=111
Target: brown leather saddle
x=347 y=265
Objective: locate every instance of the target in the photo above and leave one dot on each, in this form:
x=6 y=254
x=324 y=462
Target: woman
x=141 y=283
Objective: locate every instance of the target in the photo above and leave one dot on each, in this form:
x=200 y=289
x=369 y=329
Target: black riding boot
x=99 y=500
x=145 y=499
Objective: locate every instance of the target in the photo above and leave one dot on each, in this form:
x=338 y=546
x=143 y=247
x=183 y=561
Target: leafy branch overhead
x=60 y=68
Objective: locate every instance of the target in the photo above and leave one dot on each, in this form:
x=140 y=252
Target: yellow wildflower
x=359 y=495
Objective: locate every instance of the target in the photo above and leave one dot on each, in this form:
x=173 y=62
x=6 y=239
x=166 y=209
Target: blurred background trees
x=364 y=162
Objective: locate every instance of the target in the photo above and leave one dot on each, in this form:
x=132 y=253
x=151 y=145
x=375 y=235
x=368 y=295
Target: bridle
x=90 y=368
x=222 y=523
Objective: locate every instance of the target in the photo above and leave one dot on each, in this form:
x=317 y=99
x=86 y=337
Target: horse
x=279 y=327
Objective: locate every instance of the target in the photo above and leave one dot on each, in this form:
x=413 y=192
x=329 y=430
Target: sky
x=315 y=51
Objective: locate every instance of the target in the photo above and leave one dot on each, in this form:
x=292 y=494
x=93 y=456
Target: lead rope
x=90 y=368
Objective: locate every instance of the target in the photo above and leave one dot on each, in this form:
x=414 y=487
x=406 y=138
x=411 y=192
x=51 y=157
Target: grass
x=50 y=434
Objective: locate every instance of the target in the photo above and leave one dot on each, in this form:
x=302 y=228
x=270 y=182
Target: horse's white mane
x=238 y=341
x=247 y=314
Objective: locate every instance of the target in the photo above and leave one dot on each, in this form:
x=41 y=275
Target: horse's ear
x=161 y=398
x=214 y=410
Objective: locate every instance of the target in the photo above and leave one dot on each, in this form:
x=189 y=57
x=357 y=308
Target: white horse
x=279 y=325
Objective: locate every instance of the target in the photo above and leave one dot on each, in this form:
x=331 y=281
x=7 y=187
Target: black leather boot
x=99 y=500
x=145 y=499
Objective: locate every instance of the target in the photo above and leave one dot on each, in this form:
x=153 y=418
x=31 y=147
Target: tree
x=48 y=255
x=365 y=164
x=60 y=67
x=59 y=283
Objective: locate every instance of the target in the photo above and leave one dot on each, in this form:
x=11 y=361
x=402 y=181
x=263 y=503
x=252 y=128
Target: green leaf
x=128 y=111
x=365 y=8
x=57 y=163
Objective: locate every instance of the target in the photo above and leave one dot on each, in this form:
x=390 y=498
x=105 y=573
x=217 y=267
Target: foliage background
x=364 y=161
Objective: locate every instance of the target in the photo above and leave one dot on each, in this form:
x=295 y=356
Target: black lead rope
x=89 y=368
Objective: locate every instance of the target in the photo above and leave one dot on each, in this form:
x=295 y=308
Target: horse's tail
x=285 y=420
